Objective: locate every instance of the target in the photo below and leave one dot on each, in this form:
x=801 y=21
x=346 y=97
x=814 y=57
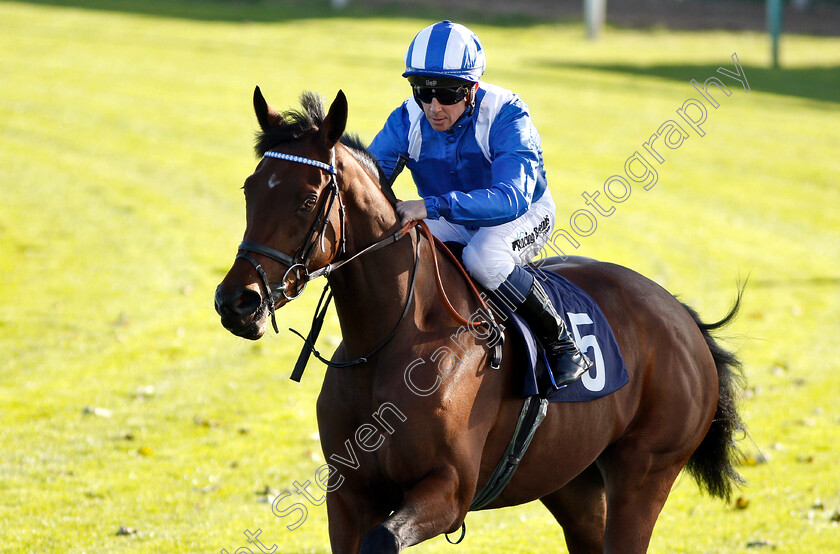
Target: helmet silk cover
x=447 y=50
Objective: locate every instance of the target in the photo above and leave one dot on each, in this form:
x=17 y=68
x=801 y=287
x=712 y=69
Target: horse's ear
x=334 y=124
x=266 y=115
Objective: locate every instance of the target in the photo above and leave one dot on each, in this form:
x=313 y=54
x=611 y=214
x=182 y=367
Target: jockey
x=476 y=159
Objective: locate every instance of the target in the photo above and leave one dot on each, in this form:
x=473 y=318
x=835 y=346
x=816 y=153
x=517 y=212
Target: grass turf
x=124 y=138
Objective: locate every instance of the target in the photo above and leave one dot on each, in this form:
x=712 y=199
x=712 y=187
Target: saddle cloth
x=592 y=333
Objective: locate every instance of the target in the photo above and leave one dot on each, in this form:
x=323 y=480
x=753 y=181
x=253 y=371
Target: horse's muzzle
x=243 y=311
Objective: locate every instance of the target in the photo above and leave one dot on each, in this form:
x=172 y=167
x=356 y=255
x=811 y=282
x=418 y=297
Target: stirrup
x=573 y=364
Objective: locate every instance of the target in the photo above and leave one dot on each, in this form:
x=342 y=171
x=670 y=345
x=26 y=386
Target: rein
x=318 y=321
x=302 y=256
x=438 y=245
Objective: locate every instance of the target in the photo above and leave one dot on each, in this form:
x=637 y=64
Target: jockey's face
x=442 y=116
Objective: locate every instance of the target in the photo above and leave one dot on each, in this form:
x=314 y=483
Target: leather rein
x=298 y=267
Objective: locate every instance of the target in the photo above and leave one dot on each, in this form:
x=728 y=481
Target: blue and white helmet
x=447 y=50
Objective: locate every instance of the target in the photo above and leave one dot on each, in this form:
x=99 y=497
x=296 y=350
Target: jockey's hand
x=411 y=210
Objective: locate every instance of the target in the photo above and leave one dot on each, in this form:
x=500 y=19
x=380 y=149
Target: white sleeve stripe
x=415 y=136
x=494 y=98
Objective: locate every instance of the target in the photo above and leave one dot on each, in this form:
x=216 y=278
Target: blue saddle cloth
x=589 y=328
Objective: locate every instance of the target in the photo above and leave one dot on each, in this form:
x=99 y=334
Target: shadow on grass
x=820 y=83
x=265 y=11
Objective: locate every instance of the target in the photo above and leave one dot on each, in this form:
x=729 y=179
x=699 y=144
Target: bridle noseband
x=298 y=264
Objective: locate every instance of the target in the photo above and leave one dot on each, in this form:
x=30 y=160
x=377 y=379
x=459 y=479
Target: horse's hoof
x=380 y=540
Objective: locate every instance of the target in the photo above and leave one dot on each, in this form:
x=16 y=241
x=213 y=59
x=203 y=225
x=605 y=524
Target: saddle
x=587 y=324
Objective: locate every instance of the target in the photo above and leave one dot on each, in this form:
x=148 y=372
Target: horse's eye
x=309 y=203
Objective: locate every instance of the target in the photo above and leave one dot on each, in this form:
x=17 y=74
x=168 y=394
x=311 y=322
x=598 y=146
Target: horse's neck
x=370 y=292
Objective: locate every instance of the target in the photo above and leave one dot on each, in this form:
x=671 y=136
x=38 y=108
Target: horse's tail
x=713 y=463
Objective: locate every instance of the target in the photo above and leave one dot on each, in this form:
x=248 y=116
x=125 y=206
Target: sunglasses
x=445 y=95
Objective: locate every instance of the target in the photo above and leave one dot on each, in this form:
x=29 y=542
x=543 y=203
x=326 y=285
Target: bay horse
x=602 y=468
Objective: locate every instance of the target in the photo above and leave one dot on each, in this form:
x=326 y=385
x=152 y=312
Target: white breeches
x=492 y=252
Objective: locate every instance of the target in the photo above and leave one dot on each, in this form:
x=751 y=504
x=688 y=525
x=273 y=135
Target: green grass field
x=125 y=135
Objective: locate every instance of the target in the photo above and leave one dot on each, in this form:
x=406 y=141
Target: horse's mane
x=364 y=156
x=298 y=123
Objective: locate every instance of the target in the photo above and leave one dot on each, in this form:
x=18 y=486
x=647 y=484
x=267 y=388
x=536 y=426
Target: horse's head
x=293 y=220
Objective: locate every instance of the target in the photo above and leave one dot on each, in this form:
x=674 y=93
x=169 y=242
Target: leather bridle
x=298 y=267
x=297 y=264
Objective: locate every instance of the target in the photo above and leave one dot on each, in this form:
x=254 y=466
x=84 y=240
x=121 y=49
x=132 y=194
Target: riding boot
x=567 y=362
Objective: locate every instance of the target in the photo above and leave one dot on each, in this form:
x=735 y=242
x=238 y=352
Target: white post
x=594 y=14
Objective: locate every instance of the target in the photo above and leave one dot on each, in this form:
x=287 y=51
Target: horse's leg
x=638 y=480
x=350 y=516
x=580 y=508
x=353 y=505
x=429 y=508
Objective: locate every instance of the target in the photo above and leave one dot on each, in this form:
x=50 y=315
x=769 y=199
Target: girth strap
x=530 y=417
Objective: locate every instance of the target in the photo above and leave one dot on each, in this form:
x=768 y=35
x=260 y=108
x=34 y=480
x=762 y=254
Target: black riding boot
x=567 y=362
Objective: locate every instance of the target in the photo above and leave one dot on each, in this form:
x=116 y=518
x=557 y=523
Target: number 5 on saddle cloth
x=589 y=327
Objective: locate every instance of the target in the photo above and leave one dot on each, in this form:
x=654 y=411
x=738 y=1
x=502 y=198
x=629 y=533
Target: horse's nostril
x=246 y=302
x=243 y=302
